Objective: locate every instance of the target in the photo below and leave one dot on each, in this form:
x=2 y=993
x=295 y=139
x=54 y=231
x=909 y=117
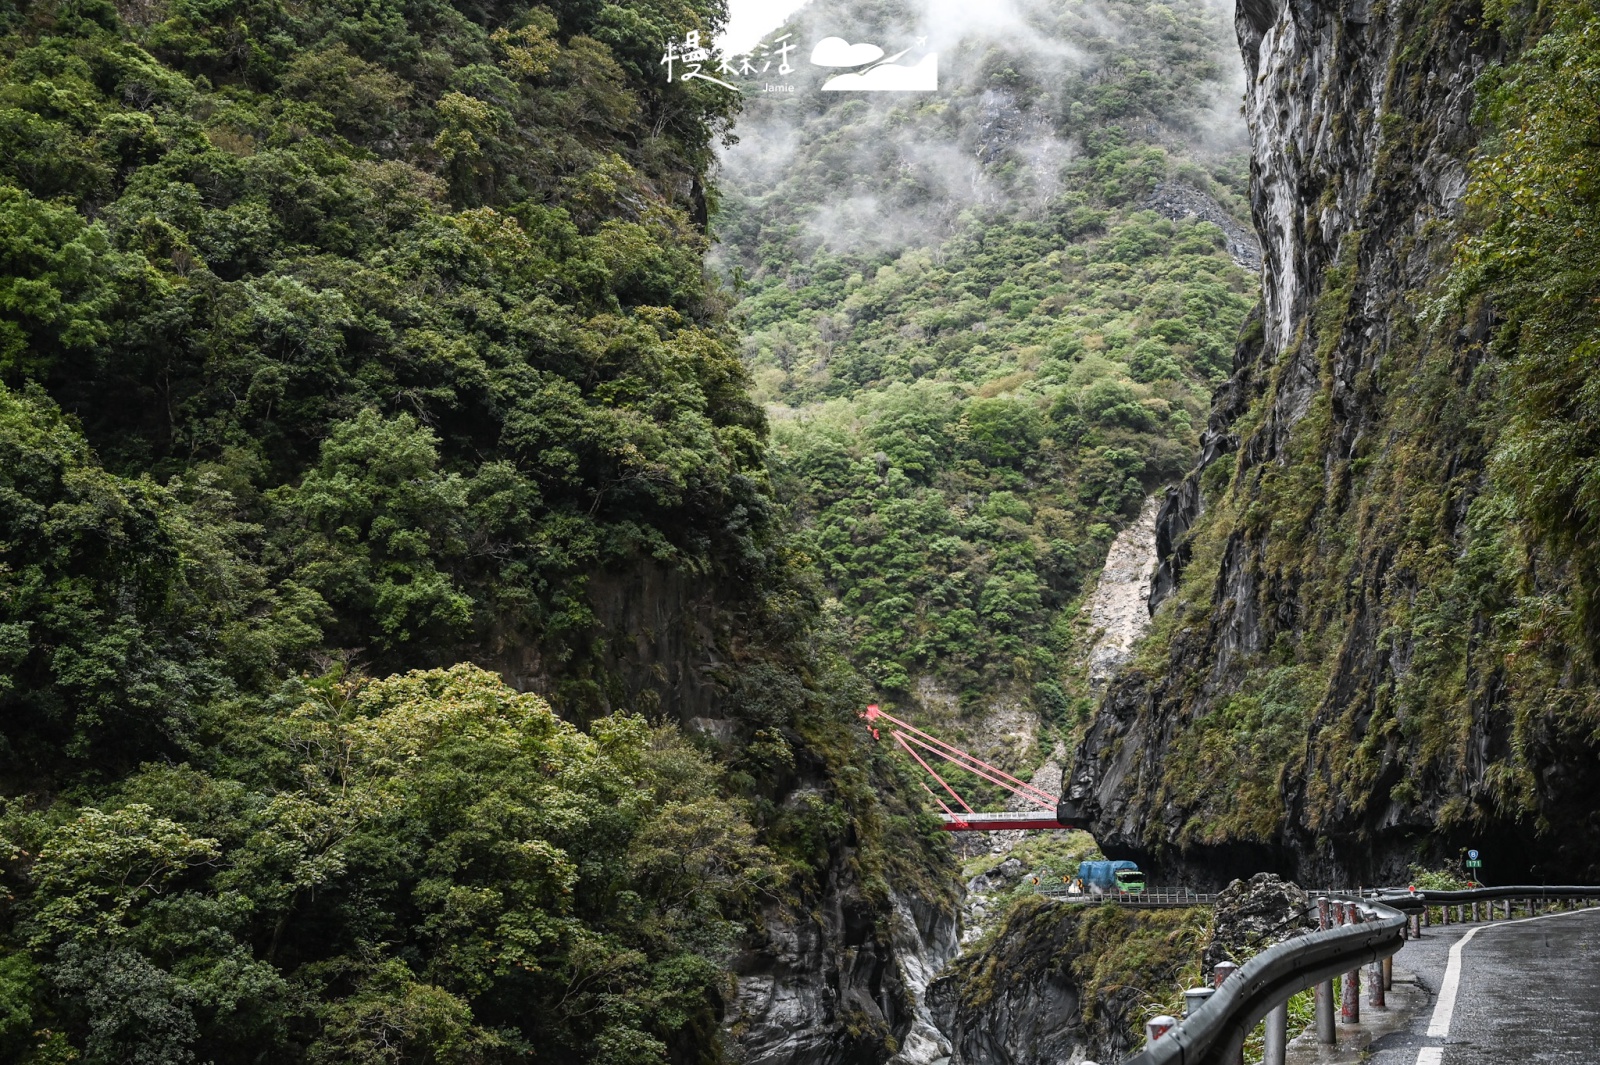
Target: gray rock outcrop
x=1252 y=915
x=830 y=987
x=1176 y=200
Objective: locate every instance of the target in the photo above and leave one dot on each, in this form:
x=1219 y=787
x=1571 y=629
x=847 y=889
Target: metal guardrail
x=1213 y=1034
x=1150 y=898
x=1412 y=901
x=1001 y=822
x=1403 y=899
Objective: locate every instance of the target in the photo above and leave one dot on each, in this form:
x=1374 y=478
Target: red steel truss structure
x=1050 y=811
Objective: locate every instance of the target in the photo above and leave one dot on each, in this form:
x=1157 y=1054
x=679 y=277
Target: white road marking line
x=1444 y=1010
x=1430 y=1056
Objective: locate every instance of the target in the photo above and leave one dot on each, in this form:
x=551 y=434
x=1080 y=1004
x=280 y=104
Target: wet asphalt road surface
x=1527 y=993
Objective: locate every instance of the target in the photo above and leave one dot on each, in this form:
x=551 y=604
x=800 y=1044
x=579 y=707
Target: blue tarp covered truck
x=1104 y=878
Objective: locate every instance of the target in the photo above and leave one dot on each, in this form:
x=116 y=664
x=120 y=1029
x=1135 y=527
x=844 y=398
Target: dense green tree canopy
x=342 y=341
x=271 y=243
x=985 y=350
x=388 y=871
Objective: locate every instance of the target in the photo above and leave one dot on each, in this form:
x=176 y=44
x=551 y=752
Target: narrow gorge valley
x=466 y=467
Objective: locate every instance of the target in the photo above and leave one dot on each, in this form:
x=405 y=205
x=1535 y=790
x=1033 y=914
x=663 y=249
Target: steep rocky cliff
x=1065 y=982
x=1359 y=657
x=837 y=986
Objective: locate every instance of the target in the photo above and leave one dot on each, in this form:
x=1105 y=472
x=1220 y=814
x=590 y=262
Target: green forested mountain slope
x=338 y=340
x=429 y=259
x=981 y=348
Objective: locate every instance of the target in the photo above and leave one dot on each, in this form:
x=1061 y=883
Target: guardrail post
x=1527 y=906
x=1508 y=909
x=1427 y=917
x=1388 y=973
x=1194 y=998
x=1156 y=1027
x=1350 y=993
x=1444 y=915
x=1276 y=1047
x=1324 y=993
x=1234 y=1053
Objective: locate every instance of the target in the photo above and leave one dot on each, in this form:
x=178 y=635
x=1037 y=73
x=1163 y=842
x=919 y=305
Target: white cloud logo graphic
x=886 y=77
x=838 y=52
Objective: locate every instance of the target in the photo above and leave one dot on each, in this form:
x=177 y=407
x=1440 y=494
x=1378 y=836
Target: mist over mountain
x=981 y=337
x=1021 y=87
x=461 y=483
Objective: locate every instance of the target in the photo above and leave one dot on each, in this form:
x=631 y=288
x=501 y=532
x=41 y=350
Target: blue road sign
x=1472 y=856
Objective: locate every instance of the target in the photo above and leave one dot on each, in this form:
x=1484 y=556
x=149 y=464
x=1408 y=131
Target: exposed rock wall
x=1321 y=696
x=829 y=987
x=925 y=941
x=1062 y=983
x=1117 y=608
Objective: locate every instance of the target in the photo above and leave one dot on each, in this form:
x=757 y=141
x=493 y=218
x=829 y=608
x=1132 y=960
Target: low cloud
x=896 y=170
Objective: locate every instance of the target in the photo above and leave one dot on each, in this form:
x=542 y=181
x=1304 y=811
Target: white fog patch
x=912 y=164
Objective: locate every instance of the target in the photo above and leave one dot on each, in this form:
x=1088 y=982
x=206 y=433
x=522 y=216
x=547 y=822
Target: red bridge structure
x=1050 y=811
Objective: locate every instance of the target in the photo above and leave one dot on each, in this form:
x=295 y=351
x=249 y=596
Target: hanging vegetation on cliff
x=1382 y=641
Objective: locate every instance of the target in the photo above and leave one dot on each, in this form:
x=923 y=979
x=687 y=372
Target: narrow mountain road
x=1525 y=991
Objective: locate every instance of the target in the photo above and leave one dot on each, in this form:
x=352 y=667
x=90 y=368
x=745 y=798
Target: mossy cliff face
x=1364 y=653
x=838 y=979
x=1061 y=982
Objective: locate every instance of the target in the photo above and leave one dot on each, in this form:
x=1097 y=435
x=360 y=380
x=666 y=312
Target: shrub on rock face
x=1063 y=982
